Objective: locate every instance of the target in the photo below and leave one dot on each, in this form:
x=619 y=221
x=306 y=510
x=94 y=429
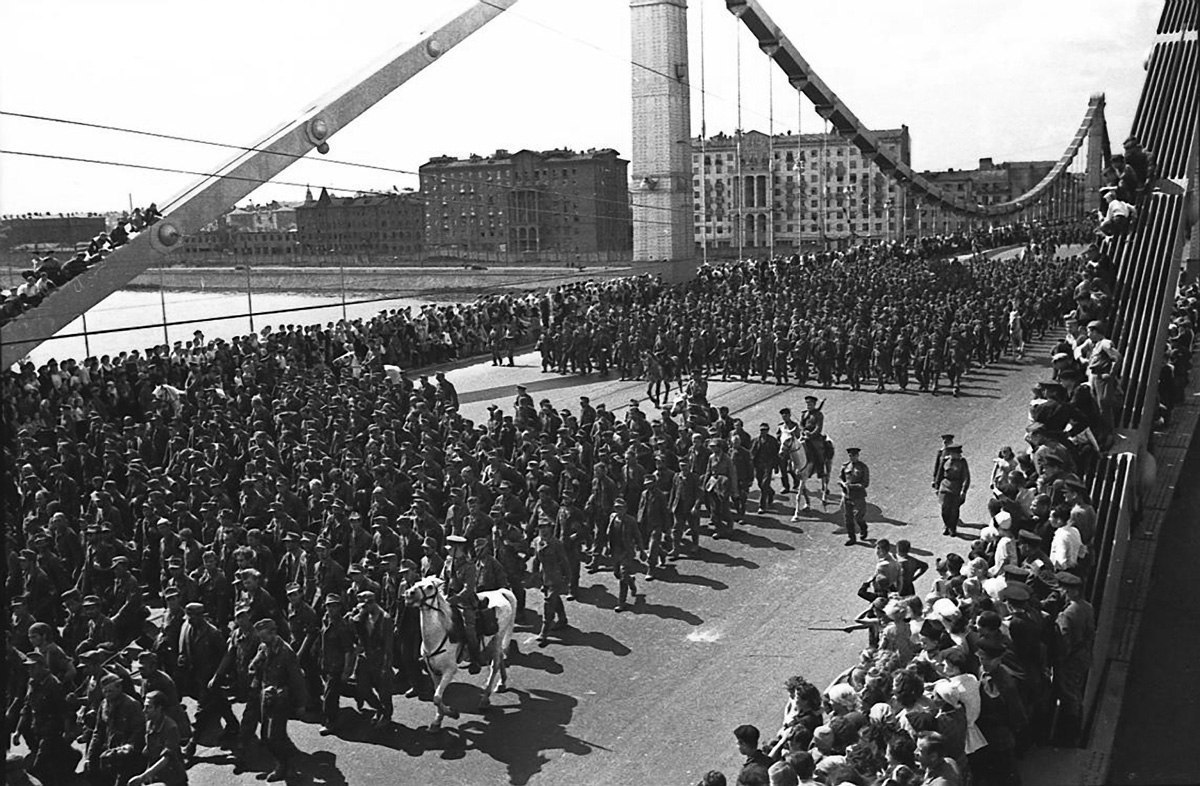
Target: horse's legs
x=438 y=702
x=494 y=669
x=802 y=488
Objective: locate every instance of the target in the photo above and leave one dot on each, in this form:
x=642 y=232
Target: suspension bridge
x=587 y=710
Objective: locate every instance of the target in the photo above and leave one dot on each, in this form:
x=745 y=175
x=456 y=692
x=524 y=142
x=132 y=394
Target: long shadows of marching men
x=519 y=736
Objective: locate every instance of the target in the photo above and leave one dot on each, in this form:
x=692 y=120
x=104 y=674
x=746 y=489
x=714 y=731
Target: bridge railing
x=1147 y=263
x=1115 y=489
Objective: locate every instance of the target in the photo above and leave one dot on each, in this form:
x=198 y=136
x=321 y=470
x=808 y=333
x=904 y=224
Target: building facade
x=385 y=225
x=990 y=184
x=793 y=191
x=50 y=230
x=527 y=203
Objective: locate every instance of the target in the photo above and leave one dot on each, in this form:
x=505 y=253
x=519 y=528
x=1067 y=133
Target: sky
x=1006 y=79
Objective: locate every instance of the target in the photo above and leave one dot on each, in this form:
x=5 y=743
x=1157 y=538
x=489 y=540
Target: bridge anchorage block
x=318 y=132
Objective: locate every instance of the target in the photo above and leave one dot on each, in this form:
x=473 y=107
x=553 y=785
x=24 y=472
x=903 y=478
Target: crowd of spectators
x=288 y=486
x=48 y=273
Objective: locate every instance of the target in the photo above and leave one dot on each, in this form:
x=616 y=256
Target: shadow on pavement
x=519 y=736
x=595 y=639
x=765 y=521
x=671 y=575
x=554 y=382
x=756 y=541
x=538 y=661
x=704 y=554
x=320 y=768
x=639 y=605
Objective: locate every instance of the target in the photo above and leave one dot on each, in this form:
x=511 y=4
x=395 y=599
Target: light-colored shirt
x=1066 y=548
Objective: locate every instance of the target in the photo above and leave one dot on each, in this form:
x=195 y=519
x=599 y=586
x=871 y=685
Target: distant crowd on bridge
x=237 y=522
x=45 y=274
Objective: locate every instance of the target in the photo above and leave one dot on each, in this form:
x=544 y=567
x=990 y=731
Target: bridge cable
x=296 y=156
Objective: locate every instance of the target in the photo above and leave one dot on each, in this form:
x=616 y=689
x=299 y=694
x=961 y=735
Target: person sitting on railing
x=1123 y=177
x=1141 y=161
x=1117 y=215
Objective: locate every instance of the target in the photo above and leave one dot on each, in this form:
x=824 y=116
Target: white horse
x=441 y=655
x=805 y=466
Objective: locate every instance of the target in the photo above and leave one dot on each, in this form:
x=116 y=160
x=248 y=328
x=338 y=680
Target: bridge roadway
x=652 y=696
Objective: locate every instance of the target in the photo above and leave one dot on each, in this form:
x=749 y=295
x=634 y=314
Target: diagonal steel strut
x=209 y=198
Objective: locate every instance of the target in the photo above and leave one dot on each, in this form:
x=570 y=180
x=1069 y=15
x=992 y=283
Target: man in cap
x=241 y=649
x=201 y=647
x=461 y=590
x=155 y=679
x=304 y=627
x=787 y=429
x=552 y=572
x=952 y=487
x=119 y=738
x=624 y=543
x=336 y=658
x=1103 y=361
x=281 y=686
x=1075 y=629
x=854 y=480
x=764 y=456
x=1002 y=716
x=374 y=636
x=947 y=441
x=43 y=711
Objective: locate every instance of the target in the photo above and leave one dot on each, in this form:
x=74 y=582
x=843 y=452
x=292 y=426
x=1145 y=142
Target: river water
x=133 y=319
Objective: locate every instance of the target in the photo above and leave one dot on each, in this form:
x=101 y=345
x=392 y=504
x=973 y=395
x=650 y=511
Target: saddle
x=486 y=622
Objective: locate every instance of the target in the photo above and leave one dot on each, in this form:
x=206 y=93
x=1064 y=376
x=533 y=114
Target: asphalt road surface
x=652 y=696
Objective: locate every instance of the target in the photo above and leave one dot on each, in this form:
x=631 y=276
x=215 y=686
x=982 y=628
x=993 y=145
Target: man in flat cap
x=276 y=674
x=304 y=628
x=854 y=480
x=1075 y=629
x=461 y=589
x=336 y=658
x=43 y=712
x=952 y=488
x=119 y=738
x=375 y=637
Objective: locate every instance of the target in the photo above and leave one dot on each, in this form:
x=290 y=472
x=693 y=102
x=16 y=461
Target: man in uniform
x=764 y=455
x=304 y=628
x=952 y=489
x=277 y=676
x=375 y=636
x=461 y=588
x=947 y=441
x=552 y=571
x=335 y=654
x=788 y=429
x=854 y=480
x=41 y=724
x=115 y=749
x=1076 y=632
x=624 y=543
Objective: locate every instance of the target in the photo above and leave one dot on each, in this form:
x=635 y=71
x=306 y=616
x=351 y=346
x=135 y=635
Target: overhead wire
x=260 y=181
x=296 y=156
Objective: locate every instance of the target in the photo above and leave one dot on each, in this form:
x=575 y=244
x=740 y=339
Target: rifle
x=844 y=629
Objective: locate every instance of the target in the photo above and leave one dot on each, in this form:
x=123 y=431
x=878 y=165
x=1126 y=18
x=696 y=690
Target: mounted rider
x=462 y=592
x=812 y=431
